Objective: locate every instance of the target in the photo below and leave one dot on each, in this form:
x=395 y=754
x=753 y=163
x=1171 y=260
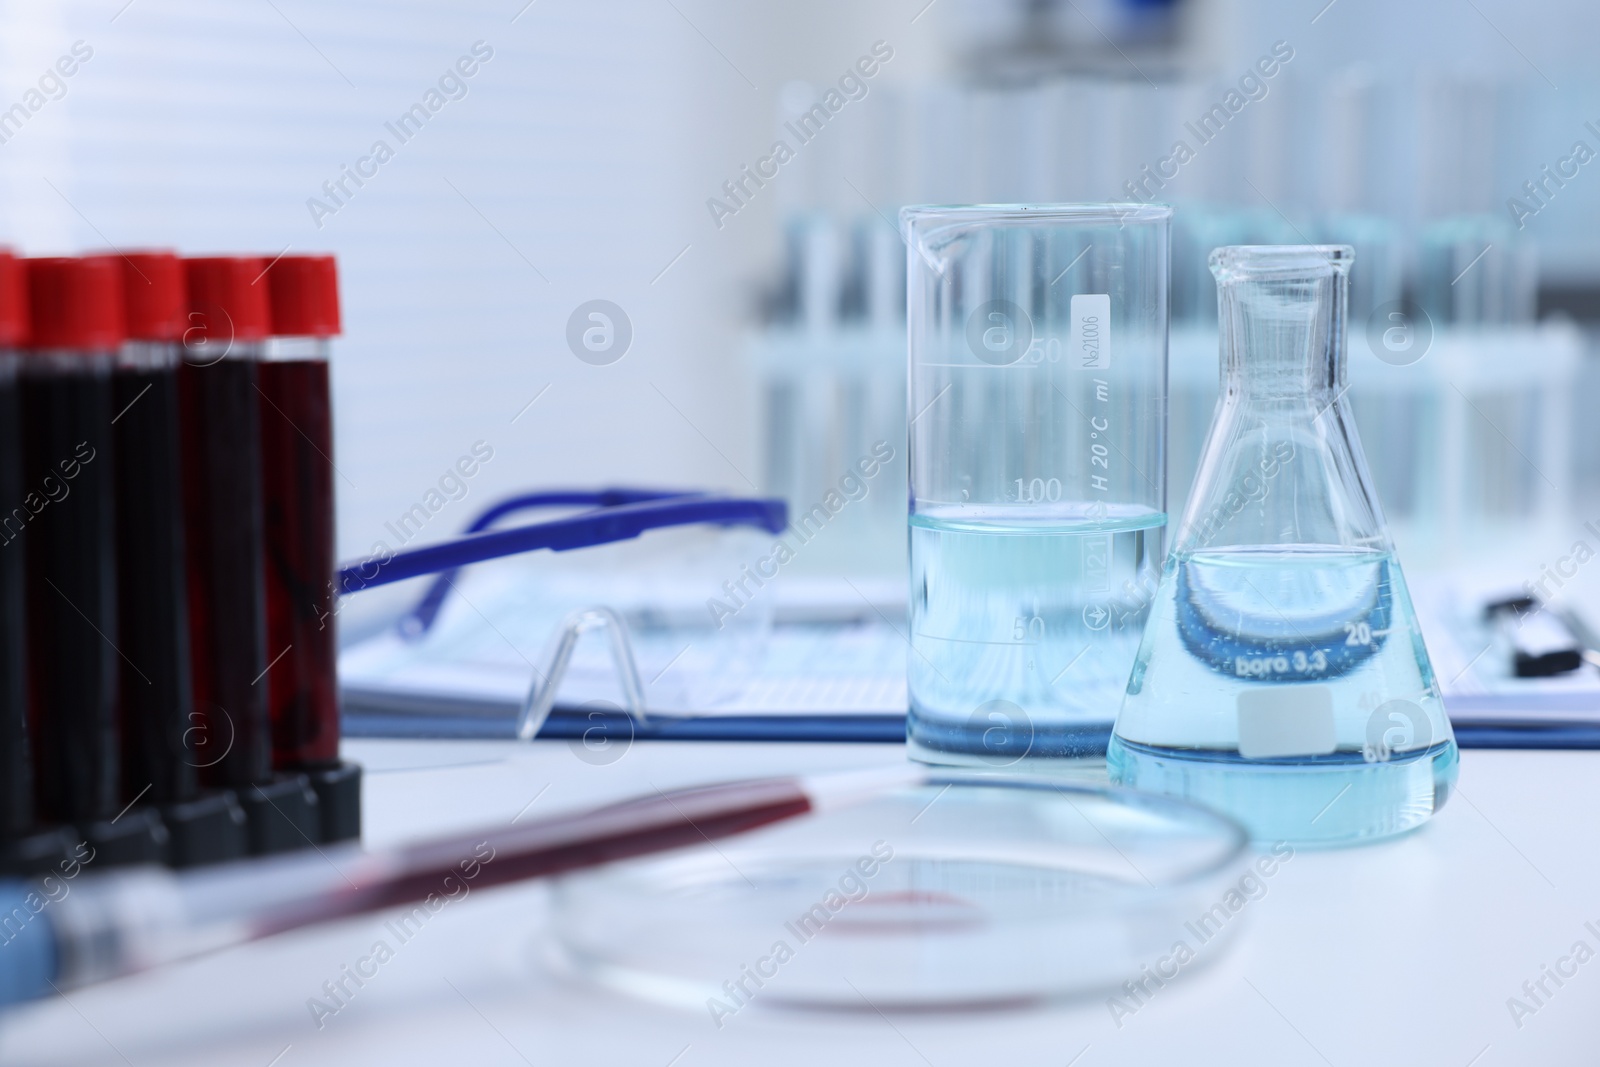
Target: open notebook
x=827 y=650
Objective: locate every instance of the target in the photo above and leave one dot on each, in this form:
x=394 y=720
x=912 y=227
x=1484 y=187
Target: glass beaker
x=1037 y=410
x=1282 y=676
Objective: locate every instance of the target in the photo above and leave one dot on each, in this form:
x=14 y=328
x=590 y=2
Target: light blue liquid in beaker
x=1288 y=685
x=1024 y=626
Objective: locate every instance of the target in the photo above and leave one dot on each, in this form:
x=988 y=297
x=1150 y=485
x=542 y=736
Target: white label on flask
x=1091 y=331
x=1291 y=720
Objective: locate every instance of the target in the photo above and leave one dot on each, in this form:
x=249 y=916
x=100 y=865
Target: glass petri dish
x=970 y=890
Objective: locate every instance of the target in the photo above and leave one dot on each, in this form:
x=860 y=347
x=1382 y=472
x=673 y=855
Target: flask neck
x=1282 y=330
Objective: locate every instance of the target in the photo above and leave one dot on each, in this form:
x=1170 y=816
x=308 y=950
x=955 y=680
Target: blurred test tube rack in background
x=1464 y=398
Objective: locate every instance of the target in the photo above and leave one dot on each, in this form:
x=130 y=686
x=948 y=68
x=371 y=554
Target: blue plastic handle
x=559 y=498
x=619 y=514
x=419 y=619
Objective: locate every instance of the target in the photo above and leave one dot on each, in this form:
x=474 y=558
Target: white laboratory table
x=1399 y=953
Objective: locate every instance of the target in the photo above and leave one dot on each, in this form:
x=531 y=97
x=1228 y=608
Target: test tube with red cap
x=25 y=847
x=159 y=763
x=298 y=495
x=76 y=328
x=219 y=407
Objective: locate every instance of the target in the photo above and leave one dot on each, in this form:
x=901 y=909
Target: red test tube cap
x=305 y=296
x=152 y=294
x=227 y=299
x=75 y=303
x=13 y=301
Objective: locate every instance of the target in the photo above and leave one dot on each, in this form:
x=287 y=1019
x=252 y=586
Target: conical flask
x=1282 y=677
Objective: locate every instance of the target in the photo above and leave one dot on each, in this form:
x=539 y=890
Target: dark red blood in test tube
x=298 y=500
x=77 y=326
x=157 y=710
x=219 y=405
x=16 y=773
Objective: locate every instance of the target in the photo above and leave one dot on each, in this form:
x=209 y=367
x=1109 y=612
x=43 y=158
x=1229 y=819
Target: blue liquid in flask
x=1290 y=687
x=1024 y=627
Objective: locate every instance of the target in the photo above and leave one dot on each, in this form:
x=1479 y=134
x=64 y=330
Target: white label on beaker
x=1290 y=720
x=1091 y=331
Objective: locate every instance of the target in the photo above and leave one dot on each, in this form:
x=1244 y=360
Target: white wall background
x=576 y=168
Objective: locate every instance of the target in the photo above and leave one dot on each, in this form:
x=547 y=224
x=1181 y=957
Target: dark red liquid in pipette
x=222 y=528
x=297 y=493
